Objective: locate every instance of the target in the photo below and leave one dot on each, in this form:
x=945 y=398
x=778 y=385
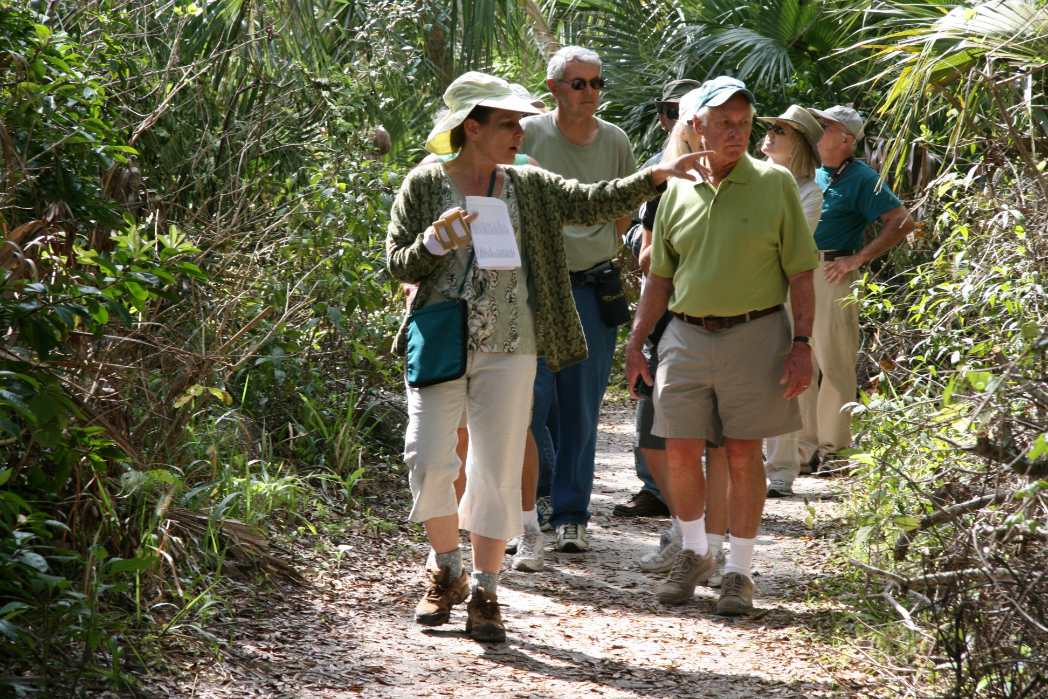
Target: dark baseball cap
x=713 y=93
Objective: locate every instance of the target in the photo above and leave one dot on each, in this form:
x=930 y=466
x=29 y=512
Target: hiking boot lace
x=436 y=590
x=487 y=606
x=732 y=585
x=682 y=565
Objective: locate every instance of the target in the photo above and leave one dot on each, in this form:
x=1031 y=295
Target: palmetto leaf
x=958 y=69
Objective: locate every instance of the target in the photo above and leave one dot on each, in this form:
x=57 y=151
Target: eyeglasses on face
x=777 y=129
x=580 y=84
x=670 y=111
x=826 y=125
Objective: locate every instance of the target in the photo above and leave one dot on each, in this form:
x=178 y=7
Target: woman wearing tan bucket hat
x=792 y=142
x=513 y=316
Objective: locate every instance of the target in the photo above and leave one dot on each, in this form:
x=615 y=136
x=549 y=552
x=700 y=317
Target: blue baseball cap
x=712 y=93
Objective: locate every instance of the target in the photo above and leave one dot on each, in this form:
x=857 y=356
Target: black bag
x=614 y=309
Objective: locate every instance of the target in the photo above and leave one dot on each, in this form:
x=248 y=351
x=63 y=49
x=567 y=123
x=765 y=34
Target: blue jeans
x=579 y=391
x=544 y=425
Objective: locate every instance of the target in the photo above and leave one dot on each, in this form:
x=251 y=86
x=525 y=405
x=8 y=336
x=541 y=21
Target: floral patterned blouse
x=500 y=317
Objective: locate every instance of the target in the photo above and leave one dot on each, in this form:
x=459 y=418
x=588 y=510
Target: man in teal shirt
x=853 y=198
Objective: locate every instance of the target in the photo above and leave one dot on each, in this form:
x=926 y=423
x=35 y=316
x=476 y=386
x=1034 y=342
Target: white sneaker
x=571 y=538
x=661 y=561
x=530 y=554
x=718 y=573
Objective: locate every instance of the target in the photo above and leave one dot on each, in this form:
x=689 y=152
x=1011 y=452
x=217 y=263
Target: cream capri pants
x=495 y=394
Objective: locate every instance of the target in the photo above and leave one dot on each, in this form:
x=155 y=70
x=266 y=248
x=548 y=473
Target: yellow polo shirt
x=731 y=249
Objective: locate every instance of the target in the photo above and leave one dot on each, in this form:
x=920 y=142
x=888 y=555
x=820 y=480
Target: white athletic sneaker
x=718 y=573
x=530 y=554
x=661 y=561
x=571 y=538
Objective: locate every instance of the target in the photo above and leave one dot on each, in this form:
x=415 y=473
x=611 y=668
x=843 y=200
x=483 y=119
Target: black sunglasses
x=777 y=129
x=580 y=84
x=670 y=111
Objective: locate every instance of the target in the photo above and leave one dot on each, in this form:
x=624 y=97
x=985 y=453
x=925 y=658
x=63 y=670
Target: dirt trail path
x=588 y=626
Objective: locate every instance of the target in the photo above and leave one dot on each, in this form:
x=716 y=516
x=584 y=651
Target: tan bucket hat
x=469 y=90
x=806 y=124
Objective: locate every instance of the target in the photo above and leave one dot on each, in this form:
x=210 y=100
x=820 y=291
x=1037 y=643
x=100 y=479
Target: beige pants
x=835 y=343
x=496 y=395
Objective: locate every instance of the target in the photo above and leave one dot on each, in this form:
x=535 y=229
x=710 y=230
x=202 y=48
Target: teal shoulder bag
x=437 y=340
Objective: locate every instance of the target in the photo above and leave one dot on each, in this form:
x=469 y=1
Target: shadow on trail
x=574 y=666
x=636 y=596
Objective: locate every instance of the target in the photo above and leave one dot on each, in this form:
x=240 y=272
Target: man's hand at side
x=797 y=369
x=652 y=305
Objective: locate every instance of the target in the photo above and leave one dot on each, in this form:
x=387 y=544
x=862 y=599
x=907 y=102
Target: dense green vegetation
x=196 y=318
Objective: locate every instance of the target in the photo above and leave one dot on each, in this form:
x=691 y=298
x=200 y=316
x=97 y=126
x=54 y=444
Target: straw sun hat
x=469 y=90
x=804 y=122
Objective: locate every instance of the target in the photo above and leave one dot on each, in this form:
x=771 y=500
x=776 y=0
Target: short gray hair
x=560 y=60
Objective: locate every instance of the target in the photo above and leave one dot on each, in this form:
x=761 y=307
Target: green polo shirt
x=731 y=249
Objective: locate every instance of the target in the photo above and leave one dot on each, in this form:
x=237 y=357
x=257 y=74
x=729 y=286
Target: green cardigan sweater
x=547 y=202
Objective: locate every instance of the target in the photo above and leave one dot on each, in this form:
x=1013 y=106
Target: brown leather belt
x=715 y=323
x=830 y=255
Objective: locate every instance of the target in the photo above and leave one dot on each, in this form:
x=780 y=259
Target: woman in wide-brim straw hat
x=514 y=315
x=792 y=141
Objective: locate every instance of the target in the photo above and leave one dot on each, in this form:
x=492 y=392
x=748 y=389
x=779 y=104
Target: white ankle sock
x=675 y=526
x=530 y=519
x=740 y=556
x=716 y=542
x=694 y=536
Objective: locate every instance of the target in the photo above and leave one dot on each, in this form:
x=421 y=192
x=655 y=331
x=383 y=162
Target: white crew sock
x=693 y=536
x=740 y=556
x=716 y=542
x=530 y=519
x=675 y=526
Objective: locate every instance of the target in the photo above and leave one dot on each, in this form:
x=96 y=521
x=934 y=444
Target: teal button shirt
x=849 y=205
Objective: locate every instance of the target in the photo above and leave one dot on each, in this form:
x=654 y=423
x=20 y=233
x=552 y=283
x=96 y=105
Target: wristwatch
x=802 y=338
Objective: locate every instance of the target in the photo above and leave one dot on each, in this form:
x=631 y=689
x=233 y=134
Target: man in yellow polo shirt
x=726 y=251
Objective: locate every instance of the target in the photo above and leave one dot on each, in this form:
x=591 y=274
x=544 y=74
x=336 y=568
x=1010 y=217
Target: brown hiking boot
x=736 y=598
x=441 y=595
x=484 y=622
x=689 y=569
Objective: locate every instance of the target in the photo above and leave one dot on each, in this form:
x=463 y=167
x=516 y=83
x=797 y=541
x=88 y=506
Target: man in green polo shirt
x=726 y=251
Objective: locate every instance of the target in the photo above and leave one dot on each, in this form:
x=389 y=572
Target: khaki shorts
x=712 y=385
